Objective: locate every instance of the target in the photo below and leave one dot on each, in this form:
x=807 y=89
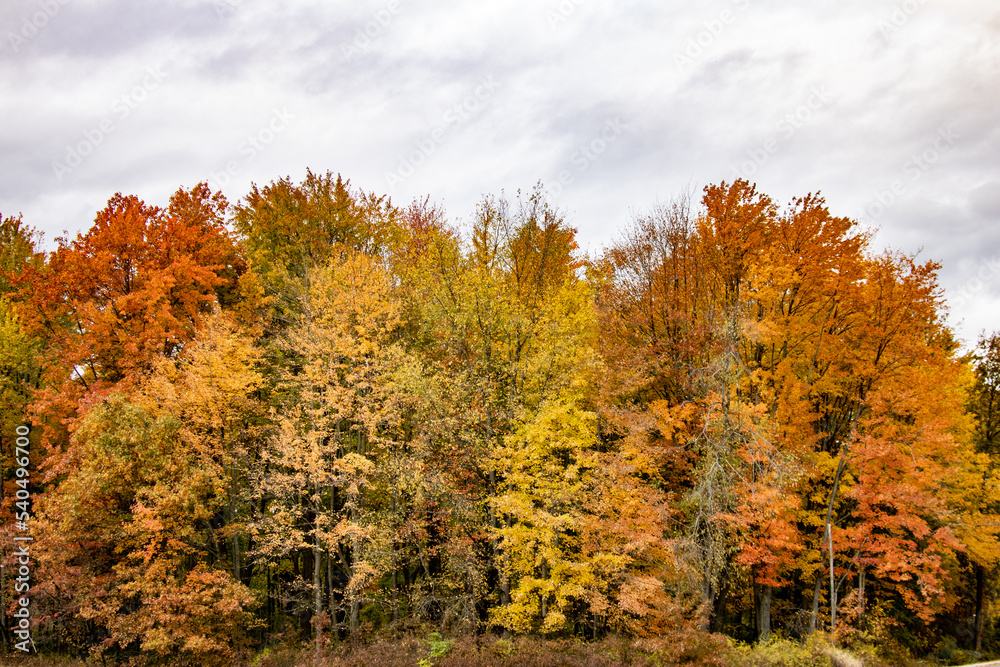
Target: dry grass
x=688 y=650
x=490 y=651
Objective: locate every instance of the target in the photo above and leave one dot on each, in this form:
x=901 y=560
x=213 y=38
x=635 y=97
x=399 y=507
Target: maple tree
x=128 y=534
x=768 y=350
x=346 y=415
x=136 y=285
x=131 y=290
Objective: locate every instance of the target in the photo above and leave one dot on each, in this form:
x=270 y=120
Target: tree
x=19 y=363
x=131 y=290
x=342 y=411
x=769 y=359
x=119 y=534
x=290 y=230
x=126 y=534
x=983 y=509
x=19 y=248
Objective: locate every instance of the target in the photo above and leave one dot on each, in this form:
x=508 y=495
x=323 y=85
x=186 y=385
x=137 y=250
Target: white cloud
x=561 y=79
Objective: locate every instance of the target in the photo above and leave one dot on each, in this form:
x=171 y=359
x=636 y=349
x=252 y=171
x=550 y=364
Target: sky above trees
x=888 y=107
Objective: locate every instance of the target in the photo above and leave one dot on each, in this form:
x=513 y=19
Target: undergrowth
x=431 y=649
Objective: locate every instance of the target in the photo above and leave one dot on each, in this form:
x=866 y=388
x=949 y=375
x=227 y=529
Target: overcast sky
x=890 y=108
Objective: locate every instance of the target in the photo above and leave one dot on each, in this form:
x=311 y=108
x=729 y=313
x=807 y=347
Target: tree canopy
x=316 y=414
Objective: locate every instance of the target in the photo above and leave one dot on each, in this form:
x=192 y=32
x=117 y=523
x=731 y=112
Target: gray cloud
x=700 y=88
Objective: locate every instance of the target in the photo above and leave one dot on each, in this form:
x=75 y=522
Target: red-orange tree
x=782 y=375
x=134 y=288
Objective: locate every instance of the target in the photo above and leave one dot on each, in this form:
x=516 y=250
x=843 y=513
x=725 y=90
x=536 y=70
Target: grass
x=431 y=649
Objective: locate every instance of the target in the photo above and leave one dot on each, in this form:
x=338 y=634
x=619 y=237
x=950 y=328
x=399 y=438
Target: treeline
x=315 y=414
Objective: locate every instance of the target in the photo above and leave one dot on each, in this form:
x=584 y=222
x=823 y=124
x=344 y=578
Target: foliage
x=344 y=419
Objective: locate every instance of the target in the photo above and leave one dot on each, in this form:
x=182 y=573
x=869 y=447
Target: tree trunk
x=3 y=598
x=395 y=569
x=980 y=605
x=231 y=513
x=495 y=546
x=833 y=587
x=328 y=601
x=355 y=618
x=709 y=594
x=544 y=607
x=764 y=615
x=270 y=600
x=861 y=590
x=504 y=579
x=355 y=602
x=815 y=605
x=395 y=592
x=317 y=585
x=829 y=536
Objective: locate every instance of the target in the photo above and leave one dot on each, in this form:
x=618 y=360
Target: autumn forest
x=314 y=417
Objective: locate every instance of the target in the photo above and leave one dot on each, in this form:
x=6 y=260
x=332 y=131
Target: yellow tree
x=19 y=365
x=978 y=494
x=340 y=408
x=543 y=468
x=509 y=335
x=481 y=310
